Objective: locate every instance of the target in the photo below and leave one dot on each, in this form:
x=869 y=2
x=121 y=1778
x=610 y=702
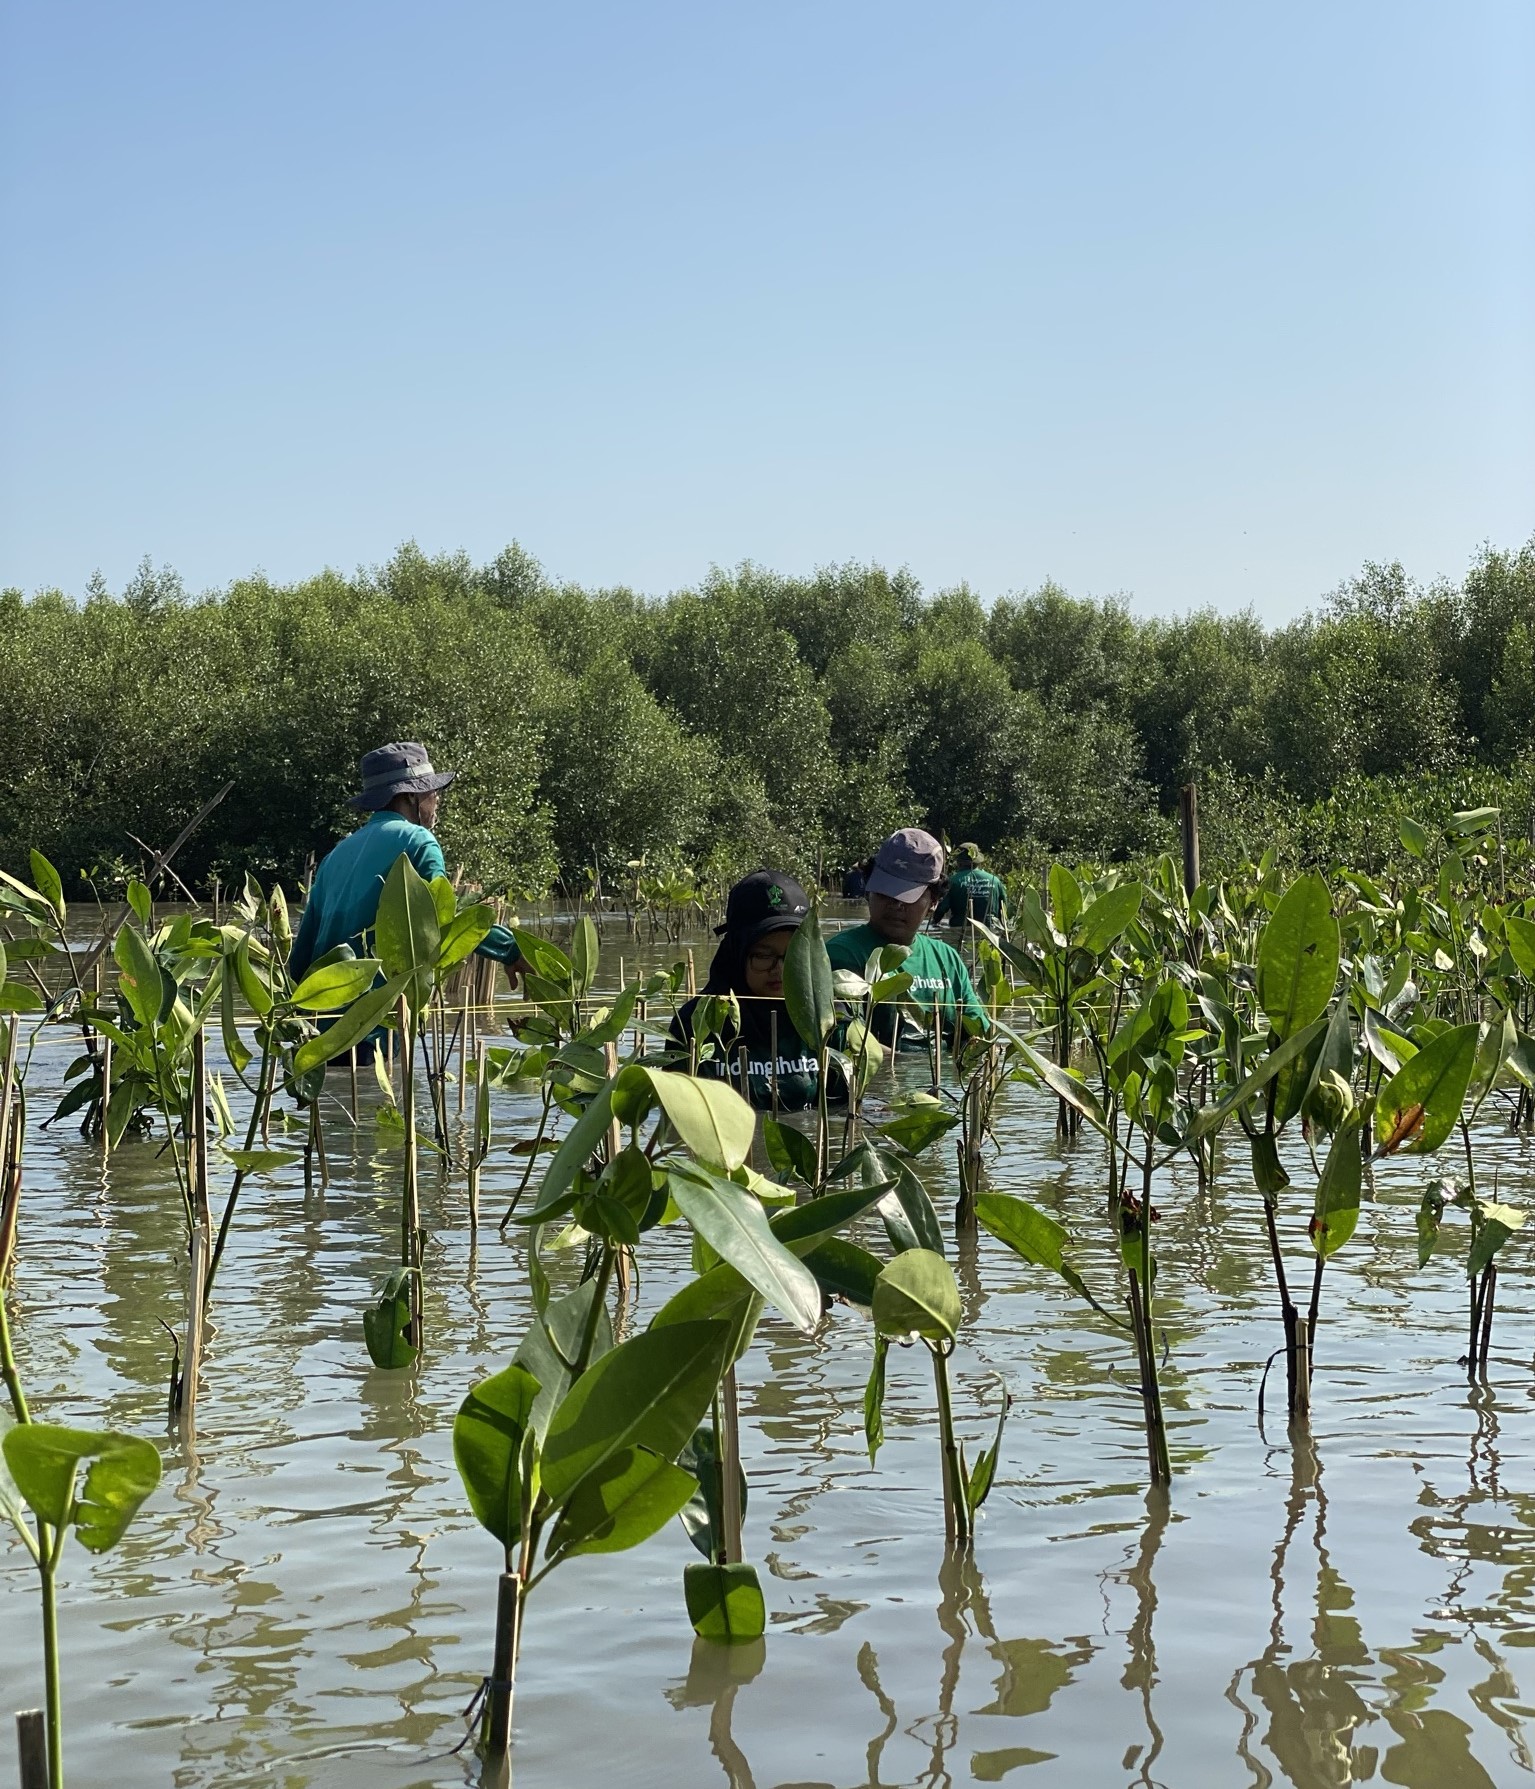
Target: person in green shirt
x=762 y=913
x=905 y=887
x=974 y=893
x=400 y=793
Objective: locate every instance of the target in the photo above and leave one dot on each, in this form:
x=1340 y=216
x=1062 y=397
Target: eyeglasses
x=764 y=959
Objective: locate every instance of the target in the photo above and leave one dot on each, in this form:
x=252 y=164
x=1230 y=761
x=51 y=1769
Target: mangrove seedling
x=916 y=1298
x=40 y=1473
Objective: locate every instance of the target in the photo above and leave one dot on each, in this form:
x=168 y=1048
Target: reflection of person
x=905 y=886
x=974 y=893
x=400 y=793
x=762 y=913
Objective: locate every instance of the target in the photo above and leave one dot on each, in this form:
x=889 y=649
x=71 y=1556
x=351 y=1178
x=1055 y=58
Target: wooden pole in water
x=937 y=1043
x=477 y=1141
x=351 y=1066
x=201 y=1238
x=32 y=1748
x=622 y=1259
x=692 y=983
x=503 y=1670
x=410 y=1203
x=1302 y=1412
x=773 y=1064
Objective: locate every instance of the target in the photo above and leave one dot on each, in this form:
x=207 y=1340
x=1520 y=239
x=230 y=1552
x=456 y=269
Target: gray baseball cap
x=906 y=865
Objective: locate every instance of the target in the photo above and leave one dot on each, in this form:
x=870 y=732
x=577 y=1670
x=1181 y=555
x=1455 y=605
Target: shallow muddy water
x=307 y=1601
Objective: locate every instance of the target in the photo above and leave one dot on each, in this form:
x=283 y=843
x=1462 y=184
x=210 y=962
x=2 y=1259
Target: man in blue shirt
x=401 y=793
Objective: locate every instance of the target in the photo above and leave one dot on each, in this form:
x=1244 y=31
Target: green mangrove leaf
x=790 y=1152
x=1496 y=1223
x=720 y=1293
x=983 y=1476
x=1268 y=1171
x=1077 y=1094
x=1498 y=1041
x=140 y=900
x=335 y=986
x=844 y=1270
x=262 y=1161
x=552 y=1346
x=1520 y=934
x=802 y=1227
x=917 y=1295
x=918 y=1126
x=629 y=1497
x=258 y=996
x=361 y=1017
x=1298 y=957
x=121 y=1470
x=715 y=1124
x=575 y=1150
x=49 y=884
x=1337 y=1191
x=874 y=1397
x=140 y=978
x=1106 y=921
x=488 y=1436
x=725 y=1602
x=386 y=1322
x=650 y=1391
x=407 y=933
x=584 y=951
x=234 y=1045
x=1430 y=1215
x=1418 y=1106
x=735 y=1226
x=1211 y=1118
x=807 y=981
x=703 y=1516
x=1065 y=898
x=16 y=997
x=1034 y=1235
x=1389 y=1048
x=1413 y=836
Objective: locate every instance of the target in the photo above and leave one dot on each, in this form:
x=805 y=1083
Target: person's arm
x=498 y=943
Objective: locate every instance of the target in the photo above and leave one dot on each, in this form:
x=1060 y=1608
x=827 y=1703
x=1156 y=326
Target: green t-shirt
x=974 y=894
x=938 y=973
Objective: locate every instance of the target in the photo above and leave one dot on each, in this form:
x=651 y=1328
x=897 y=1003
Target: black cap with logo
x=765 y=901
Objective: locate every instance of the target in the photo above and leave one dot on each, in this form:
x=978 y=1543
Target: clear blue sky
x=1200 y=302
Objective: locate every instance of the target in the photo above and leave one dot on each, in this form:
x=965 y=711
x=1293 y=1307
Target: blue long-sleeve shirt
x=343 y=900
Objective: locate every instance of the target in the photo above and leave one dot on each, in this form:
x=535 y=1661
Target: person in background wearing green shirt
x=905 y=887
x=974 y=893
x=400 y=793
x=762 y=913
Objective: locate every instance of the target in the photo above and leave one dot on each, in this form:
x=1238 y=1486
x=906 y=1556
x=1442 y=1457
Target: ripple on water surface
x=305 y=1601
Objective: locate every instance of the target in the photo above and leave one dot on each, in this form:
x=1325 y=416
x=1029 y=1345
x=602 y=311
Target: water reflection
x=303 y=1602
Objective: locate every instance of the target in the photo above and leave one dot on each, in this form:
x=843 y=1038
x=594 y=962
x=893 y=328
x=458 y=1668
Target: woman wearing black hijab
x=762 y=913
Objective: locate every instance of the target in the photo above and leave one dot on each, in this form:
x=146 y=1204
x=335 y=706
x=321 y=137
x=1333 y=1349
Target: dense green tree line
x=755 y=717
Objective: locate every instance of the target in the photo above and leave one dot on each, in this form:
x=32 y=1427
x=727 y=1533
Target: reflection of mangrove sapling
x=40 y=1472
x=916 y=1298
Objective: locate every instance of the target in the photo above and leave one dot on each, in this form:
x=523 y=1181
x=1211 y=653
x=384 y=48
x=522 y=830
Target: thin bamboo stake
x=773 y=1064
x=351 y=1065
x=410 y=1203
x=692 y=983
x=477 y=1142
x=1302 y=1413
x=201 y=1238
x=730 y=1469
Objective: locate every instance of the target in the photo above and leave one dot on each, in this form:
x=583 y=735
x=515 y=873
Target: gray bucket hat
x=402 y=769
